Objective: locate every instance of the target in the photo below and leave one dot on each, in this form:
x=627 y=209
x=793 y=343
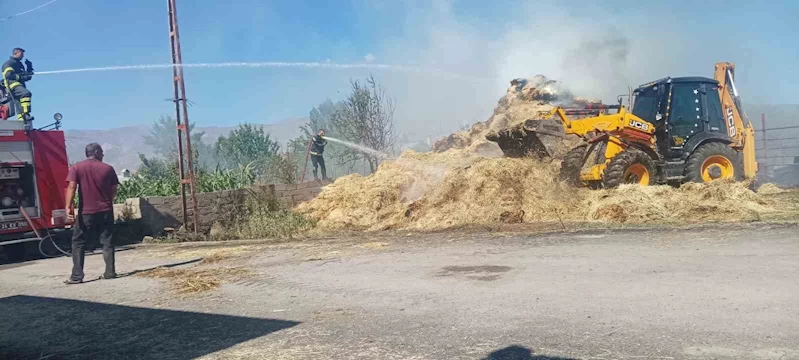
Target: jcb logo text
x=730 y=122
x=639 y=125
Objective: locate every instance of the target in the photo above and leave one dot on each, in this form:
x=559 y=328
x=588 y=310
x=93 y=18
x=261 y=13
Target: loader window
x=645 y=105
x=684 y=120
x=714 y=114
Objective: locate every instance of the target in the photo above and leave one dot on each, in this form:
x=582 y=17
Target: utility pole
x=182 y=124
x=765 y=145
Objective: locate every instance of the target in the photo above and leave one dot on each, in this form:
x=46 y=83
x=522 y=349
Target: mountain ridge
x=123 y=145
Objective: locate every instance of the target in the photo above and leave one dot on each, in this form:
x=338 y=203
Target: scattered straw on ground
x=372 y=245
x=189 y=281
x=211 y=255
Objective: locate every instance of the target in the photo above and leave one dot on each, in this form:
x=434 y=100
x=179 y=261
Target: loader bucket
x=534 y=138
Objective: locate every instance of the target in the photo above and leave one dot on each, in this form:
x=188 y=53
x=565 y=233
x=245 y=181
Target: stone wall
x=155 y=213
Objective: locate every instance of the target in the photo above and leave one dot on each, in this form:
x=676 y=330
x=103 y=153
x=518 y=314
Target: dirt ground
x=722 y=292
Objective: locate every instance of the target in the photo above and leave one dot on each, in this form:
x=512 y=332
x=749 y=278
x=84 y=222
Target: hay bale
x=523 y=100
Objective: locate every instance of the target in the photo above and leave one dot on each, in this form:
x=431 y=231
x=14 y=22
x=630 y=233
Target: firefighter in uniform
x=15 y=75
x=318 y=143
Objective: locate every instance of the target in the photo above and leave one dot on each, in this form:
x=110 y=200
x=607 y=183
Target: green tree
x=248 y=144
x=366 y=117
x=163 y=140
x=156 y=168
x=319 y=118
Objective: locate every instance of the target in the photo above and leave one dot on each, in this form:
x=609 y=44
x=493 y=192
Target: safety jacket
x=318 y=145
x=14 y=73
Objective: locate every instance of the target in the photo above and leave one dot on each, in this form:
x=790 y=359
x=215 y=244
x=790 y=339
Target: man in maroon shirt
x=96 y=183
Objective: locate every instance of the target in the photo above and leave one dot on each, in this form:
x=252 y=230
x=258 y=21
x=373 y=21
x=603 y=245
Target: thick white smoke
x=596 y=56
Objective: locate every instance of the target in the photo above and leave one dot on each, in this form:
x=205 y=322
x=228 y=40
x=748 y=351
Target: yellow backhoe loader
x=676 y=130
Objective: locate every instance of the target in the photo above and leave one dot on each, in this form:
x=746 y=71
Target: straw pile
x=465 y=181
x=457 y=188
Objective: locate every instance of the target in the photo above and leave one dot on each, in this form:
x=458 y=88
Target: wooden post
x=765 y=145
x=305 y=165
x=182 y=124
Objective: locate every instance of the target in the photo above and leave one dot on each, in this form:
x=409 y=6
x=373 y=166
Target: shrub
x=262 y=217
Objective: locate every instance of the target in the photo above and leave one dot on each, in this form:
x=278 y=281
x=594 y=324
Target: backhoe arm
x=739 y=128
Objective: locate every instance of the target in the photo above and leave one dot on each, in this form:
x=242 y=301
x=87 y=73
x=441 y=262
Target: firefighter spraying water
x=33 y=166
x=15 y=75
x=316 y=148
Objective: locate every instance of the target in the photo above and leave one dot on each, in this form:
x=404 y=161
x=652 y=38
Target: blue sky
x=595 y=48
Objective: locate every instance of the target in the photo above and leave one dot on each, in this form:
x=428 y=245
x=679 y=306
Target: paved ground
x=701 y=294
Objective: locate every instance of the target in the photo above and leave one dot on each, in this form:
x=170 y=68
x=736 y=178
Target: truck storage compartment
x=17 y=189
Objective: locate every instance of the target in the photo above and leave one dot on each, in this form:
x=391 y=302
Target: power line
x=28 y=11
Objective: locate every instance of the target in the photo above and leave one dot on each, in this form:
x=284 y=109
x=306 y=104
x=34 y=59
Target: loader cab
x=685 y=111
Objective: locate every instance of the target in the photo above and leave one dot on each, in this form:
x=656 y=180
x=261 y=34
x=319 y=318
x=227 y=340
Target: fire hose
x=42 y=239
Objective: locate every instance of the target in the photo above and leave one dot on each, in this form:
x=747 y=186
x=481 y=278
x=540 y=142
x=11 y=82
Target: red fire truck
x=33 y=171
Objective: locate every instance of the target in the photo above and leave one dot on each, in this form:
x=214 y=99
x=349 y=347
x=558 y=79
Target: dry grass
x=372 y=245
x=457 y=188
x=191 y=281
x=716 y=201
x=209 y=254
x=770 y=189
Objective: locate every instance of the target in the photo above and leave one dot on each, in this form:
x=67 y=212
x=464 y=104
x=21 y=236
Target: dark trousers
x=93 y=228
x=318 y=161
x=23 y=96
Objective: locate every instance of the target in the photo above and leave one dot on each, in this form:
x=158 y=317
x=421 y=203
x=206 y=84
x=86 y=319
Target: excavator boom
x=739 y=128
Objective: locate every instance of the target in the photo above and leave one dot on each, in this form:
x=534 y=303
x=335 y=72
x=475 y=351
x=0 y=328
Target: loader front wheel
x=631 y=166
x=572 y=165
x=714 y=161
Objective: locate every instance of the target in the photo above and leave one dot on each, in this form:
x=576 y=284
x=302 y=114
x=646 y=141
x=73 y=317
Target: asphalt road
x=699 y=294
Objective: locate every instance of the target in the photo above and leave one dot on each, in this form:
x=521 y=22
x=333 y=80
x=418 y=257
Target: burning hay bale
x=524 y=99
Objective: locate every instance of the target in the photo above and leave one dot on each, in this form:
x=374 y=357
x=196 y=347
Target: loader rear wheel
x=714 y=161
x=572 y=165
x=631 y=166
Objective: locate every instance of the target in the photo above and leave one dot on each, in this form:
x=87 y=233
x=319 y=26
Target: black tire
x=621 y=169
x=572 y=165
x=694 y=165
